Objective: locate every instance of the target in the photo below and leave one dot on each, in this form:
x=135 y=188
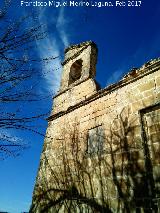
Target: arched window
x=75 y=71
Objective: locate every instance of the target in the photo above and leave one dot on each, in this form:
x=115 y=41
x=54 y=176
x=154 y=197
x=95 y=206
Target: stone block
x=146 y=86
x=149 y=101
x=136 y=106
x=157 y=81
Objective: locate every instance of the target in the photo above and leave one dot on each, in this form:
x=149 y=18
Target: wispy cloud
x=10 y=145
x=52 y=46
x=115 y=76
x=8 y=138
x=61 y=22
x=52 y=70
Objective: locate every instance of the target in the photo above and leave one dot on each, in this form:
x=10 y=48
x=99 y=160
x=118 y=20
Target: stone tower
x=77 y=83
x=102 y=147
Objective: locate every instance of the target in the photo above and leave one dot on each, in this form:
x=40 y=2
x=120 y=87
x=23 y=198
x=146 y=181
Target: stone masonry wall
x=124 y=177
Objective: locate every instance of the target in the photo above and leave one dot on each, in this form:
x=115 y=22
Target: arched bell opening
x=75 y=71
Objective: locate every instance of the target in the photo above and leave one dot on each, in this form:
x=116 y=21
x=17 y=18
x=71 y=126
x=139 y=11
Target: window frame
x=99 y=146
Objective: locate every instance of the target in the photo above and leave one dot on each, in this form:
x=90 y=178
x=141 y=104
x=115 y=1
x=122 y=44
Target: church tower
x=77 y=85
x=102 y=147
x=79 y=64
x=77 y=82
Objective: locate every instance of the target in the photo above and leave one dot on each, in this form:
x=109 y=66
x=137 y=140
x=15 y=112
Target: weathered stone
x=146 y=86
x=157 y=82
x=124 y=152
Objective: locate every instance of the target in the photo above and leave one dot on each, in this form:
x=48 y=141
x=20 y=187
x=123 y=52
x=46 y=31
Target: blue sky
x=126 y=37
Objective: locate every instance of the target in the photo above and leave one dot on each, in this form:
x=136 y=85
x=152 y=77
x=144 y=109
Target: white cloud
x=10 y=145
x=7 y=137
x=51 y=46
x=115 y=76
x=52 y=70
x=61 y=22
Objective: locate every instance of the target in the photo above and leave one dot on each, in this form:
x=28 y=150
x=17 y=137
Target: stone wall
x=123 y=175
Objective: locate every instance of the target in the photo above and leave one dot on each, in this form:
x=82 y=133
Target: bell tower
x=79 y=64
x=77 y=83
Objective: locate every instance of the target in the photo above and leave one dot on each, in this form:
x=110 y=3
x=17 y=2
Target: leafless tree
x=4 y=8
x=20 y=75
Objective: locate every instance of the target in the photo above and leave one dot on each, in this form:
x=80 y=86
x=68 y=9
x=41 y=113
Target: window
x=151 y=130
x=75 y=71
x=150 y=118
x=95 y=140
